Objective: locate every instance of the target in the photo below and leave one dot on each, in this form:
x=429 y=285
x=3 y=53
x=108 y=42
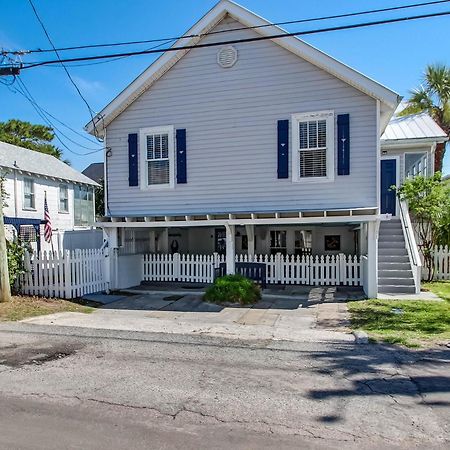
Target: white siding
x=230 y=116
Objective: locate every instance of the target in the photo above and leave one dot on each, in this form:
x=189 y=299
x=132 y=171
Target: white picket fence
x=68 y=274
x=290 y=269
x=441 y=261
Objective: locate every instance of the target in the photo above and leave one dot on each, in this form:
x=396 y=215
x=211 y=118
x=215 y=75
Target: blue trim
x=133 y=179
x=181 y=156
x=283 y=148
x=343 y=144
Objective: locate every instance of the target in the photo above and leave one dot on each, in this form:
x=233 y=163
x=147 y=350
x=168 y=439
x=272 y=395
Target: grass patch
x=440 y=288
x=21 y=307
x=412 y=323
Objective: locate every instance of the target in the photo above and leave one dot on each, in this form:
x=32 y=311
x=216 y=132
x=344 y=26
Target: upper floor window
x=313 y=146
x=157 y=168
x=63 y=198
x=416 y=164
x=83 y=203
x=28 y=194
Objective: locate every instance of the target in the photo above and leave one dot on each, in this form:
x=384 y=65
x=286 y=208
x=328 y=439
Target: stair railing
x=411 y=244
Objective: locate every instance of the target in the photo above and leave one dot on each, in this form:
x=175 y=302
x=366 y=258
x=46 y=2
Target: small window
x=28 y=194
x=63 y=198
x=278 y=242
x=159 y=155
x=83 y=205
x=313 y=136
x=303 y=242
x=416 y=165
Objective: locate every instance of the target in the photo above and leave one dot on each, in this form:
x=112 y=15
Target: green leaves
x=27 y=135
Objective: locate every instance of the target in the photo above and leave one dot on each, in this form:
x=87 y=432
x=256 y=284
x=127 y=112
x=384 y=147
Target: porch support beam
x=250 y=231
x=372 y=259
x=230 y=248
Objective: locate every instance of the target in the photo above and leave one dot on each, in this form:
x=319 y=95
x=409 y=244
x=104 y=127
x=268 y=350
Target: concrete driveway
x=317 y=314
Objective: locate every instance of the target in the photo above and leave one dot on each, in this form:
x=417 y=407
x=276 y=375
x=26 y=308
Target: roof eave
x=387 y=97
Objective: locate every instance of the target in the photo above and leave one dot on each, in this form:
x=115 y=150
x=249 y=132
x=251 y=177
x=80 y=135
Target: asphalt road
x=64 y=388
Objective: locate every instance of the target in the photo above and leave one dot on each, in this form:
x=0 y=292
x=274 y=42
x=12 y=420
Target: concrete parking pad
x=292 y=314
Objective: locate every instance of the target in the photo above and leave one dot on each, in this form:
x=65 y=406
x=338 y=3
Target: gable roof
x=19 y=158
x=388 y=98
x=418 y=127
x=94 y=171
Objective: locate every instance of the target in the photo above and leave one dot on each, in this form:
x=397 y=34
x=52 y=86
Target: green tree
x=100 y=199
x=28 y=135
x=433 y=96
x=429 y=202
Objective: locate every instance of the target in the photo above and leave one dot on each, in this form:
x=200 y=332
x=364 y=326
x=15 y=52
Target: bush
x=233 y=289
x=16 y=252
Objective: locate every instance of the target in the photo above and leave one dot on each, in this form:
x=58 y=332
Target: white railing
x=441 y=263
x=68 y=274
x=411 y=245
x=310 y=270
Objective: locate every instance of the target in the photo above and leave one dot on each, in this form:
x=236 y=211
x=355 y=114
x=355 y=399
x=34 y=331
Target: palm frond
x=437 y=81
x=420 y=100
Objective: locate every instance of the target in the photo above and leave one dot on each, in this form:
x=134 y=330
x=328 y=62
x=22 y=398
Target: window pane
x=322 y=133
x=157 y=146
x=164 y=146
x=415 y=164
x=158 y=172
x=303 y=134
x=313 y=163
x=312 y=135
x=150 y=147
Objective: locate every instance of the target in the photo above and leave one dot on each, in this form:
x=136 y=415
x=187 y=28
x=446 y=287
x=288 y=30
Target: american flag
x=48 y=222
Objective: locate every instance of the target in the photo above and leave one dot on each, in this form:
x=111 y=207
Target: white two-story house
x=28 y=177
x=253 y=146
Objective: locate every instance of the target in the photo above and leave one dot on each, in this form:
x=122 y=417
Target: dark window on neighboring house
x=83 y=206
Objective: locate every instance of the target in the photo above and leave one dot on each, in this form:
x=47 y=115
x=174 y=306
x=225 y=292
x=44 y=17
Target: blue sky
x=394 y=55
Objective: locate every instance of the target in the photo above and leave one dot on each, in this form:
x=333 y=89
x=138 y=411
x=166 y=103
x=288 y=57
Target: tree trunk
x=439 y=156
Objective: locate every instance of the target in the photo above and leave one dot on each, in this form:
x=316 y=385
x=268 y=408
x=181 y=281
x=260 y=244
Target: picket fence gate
x=67 y=274
x=441 y=262
x=308 y=269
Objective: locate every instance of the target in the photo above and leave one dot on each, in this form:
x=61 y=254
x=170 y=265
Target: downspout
x=107 y=154
x=16 y=200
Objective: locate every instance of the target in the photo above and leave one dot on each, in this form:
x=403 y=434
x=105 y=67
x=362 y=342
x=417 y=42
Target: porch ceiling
x=356 y=215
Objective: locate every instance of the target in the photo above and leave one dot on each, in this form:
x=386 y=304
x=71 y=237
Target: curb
x=361 y=337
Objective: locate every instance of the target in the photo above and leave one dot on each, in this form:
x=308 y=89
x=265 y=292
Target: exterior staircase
x=394 y=268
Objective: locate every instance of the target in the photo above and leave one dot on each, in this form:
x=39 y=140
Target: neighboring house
x=31 y=176
x=95 y=171
x=258 y=148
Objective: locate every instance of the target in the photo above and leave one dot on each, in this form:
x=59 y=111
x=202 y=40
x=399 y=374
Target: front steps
x=394 y=269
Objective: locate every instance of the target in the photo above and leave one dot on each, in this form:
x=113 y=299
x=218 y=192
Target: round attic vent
x=227 y=56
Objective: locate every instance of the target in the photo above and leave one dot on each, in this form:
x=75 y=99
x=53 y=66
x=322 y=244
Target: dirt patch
x=18 y=356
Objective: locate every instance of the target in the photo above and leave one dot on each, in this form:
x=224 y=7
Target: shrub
x=16 y=252
x=233 y=289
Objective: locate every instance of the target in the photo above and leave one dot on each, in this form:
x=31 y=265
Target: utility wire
x=289 y=22
x=236 y=41
x=91 y=111
x=23 y=90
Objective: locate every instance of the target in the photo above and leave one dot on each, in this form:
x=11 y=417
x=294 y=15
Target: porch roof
x=352 y=215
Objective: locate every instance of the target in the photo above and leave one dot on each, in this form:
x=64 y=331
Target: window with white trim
x=158 y=149
x=63 y=198
x=28 y=194
x=313 y=146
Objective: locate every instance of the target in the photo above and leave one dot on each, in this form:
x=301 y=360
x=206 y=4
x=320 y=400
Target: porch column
x=250 y=231
x=372 y=259
x=111 y=257
x=230 y=248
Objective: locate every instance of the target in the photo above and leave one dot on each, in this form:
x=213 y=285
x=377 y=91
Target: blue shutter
x=343 y=144
x=133 y=177
x=181 y=156
x=283 y=149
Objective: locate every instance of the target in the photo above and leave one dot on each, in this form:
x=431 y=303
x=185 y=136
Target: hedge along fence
x=441 y=263
x=68 y=274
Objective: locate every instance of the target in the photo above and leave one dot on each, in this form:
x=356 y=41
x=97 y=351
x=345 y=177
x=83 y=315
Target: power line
x=236 y=41
x=91 y=111
x=23 y=90
x=289 y=22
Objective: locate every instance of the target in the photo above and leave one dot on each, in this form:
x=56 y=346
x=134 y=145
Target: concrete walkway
x=316 y=314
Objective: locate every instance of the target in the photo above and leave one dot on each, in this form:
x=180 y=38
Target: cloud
x=90 y=86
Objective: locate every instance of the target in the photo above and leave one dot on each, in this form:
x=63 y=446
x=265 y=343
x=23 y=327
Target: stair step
x=382 y=281
x=391 y=244
x=392 y=251
x=393 y=289
x=395 y=273
x=391 y=237
x=394 y=266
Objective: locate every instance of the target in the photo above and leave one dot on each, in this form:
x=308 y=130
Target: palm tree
x=433 y=96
